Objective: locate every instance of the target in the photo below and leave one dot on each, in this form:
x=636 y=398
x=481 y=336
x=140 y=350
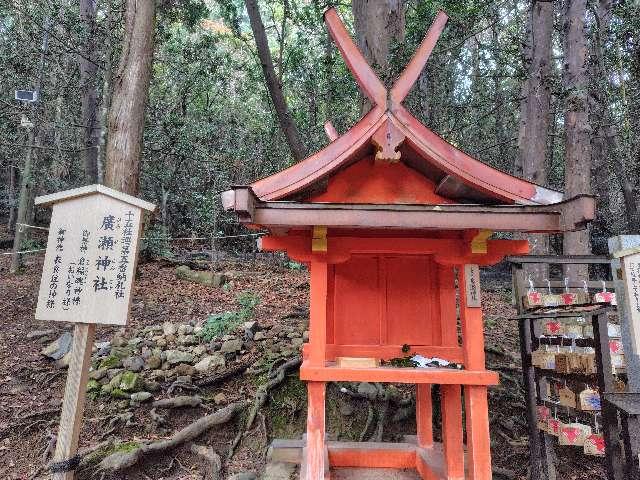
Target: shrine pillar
x=475 y=396
x=315 y=450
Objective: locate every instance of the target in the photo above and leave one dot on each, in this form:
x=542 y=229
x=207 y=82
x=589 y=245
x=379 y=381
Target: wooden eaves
x=565 y=216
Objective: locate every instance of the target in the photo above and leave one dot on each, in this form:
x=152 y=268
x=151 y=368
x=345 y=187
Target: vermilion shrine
x=393 y=222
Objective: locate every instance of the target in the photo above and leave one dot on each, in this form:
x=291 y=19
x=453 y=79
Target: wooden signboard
x=86 y=279
x=631 y=275
x=472 y=277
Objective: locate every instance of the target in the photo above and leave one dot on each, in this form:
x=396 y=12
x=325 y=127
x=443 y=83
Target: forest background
x=229 y=91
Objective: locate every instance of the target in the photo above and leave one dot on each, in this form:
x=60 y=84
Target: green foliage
x=218 y=324
x=291 y=265
x=157 y=242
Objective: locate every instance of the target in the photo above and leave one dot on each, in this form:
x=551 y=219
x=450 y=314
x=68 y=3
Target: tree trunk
x=12 y=197
x=274 y=86
x=131 y=89
x=378 y=23
x=25 y=203
x=534 y=116
x=88 y=79
x=577 y=178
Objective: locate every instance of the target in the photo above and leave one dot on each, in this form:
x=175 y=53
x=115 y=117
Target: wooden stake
x=74 y=397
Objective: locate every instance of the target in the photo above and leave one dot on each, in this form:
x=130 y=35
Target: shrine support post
x=316 y=459
x=475 y=396
x=450 y=395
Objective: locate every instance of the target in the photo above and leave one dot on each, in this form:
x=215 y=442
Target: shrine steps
x=427 y=462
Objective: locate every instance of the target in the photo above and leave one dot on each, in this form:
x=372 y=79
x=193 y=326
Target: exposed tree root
x=121 y=460
x=262 y=394
x=178 y=402
x=231 y=372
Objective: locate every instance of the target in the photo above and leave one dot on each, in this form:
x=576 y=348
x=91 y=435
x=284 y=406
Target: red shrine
x=393 y=223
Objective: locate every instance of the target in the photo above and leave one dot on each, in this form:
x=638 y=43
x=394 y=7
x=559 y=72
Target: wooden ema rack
x=393 y=223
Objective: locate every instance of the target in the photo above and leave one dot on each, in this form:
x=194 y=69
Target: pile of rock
x=134 y=367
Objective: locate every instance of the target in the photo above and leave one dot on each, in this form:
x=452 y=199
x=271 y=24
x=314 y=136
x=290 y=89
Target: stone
x=151 y=385
x=243 y=476
x=103 y=348
x=40 y=333
x=199 y=350
x=112 y=372
x=145 y=353
x=220 y=398
x=64 y=361
x=231 y=346
x=305 y=336
x=210 y=362
x=185 y=369
x=59 y=348
x=184 y=379
x=279 y=471
x=110 y=362
x=161 y=342
x=131 y=382
x=188 y=340
x=296 y=342
x=198 y=329
x=118 y=341
x=346 y=408
x=258 y=336
x=98 y=374
x=134 y=364
x=204 y=277
x=178 y=356
x=368 y=390
x=170 y=338
x=139 y=397
x=154 y=362
x=185 y=329
x=169 y=328
x=251 y=326
x=135 y=341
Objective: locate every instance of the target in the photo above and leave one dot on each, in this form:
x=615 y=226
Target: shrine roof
x=454 y=183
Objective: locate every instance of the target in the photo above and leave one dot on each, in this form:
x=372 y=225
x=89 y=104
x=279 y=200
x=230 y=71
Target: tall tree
x=131 y=89
x=577 y=176
x=88 y=79
x=274 y=84
x=27 y=186
x=534 y=115
x=378 y=23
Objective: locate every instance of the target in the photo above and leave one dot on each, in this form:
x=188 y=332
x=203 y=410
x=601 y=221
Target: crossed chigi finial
x=390 y=137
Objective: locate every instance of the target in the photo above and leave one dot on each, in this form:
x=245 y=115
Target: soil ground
x=31 y=387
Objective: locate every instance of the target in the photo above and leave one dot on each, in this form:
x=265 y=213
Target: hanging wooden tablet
x=543 y=414
x=613 y=330
x=605 y=297
x=586 y=363
x=574 y=434
x=589 y=400
x=563 y=363
x=594 y=445
x=587 y=331
x=543 y=359
x=532 y=300
x=551 y=300
x=554 y=426
x=553 y=327
x=574 y=298
x=572 y=329
x=567 y=397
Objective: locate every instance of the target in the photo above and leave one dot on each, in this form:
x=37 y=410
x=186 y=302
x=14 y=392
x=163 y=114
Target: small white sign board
x=91 y=255
x=631 y=273
x=472 y=285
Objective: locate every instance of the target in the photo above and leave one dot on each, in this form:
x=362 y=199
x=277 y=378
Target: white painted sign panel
x=90 y=260
x=472 y=285
x=631 y=272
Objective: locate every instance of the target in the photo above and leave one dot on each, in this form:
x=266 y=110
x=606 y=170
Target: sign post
x=87 y=277
x=625 y=268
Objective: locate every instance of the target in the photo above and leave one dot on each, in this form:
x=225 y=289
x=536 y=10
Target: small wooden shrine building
x=393 y=223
